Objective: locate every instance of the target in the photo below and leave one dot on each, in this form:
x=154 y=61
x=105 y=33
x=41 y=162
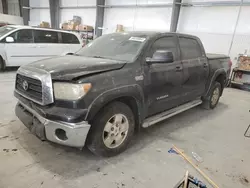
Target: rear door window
x=23 y=36
x=68 y=38
x=190 y=48
x=43 y=36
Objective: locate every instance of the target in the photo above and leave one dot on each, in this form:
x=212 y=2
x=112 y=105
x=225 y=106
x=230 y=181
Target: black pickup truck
x=116 y=85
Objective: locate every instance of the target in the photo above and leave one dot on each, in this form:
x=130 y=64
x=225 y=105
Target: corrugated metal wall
x=215 y=26
x=88 y=15
x=69 y=8
x=37 y=15
x=137 y=18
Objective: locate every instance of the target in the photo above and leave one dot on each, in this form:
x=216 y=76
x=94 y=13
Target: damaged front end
x=34 y=90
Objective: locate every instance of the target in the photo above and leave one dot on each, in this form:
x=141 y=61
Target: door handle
x=178 y=68
x=205 y=65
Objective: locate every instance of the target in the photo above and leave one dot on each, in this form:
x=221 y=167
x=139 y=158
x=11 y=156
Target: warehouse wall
x=146 y=18
x=241 y=40
x=215 y=26
x=88 y=15
x=38 y=15
x=11 y=19
x=69 y=8
x=14 y=13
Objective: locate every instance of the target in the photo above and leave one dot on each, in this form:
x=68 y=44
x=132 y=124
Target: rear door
x=70 y=42
x=47 y=44
x=164 y=80
x=22 y=50
x=195 y=68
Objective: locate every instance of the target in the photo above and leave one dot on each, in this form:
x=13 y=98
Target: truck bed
x=216 y=56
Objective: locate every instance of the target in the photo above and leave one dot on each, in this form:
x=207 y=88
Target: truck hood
x=70 y=66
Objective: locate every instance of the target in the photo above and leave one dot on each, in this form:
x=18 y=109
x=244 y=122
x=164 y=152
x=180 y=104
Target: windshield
x=5 y=29
x=118 y=46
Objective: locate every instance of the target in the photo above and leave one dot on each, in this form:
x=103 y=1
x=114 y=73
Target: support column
x=1 y=7
x=25 y=11
x=99 y=16
x=175 y=15
x=5 y=6
x=54 y=8
x=20 y=8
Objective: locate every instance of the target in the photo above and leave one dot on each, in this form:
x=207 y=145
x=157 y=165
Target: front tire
x=214 y=95
x=112 y=130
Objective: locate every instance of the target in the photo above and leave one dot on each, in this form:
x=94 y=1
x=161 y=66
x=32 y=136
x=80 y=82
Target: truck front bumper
x=70 y=134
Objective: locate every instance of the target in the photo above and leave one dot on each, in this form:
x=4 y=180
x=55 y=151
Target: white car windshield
x=117 y=46
x=6 y=29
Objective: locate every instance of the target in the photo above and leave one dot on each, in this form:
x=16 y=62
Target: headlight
x=68 y=91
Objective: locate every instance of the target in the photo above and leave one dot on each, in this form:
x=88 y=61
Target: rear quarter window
x=68 y=38
x=190 y=48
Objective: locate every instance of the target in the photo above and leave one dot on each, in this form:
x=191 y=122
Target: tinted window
x=23 y=36
x=42 y=36
x=68 y=38
x=190 y=49
x=164 y=43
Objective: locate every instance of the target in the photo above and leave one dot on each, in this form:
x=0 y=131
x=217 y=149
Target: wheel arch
x=131 y=96
x=219 y=76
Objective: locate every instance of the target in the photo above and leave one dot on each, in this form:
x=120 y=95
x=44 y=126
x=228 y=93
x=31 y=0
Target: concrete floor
x=216 y=135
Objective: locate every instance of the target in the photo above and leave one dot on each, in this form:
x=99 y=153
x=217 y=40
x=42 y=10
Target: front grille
x=34 y=87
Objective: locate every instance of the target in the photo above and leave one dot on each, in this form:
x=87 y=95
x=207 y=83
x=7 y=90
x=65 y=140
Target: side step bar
x=167 y=114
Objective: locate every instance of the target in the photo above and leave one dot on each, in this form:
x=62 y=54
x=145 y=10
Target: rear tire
x=213 y=98
x=112 y=130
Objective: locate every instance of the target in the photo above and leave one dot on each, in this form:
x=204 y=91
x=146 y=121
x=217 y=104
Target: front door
x=22 y=50
x=164 y=80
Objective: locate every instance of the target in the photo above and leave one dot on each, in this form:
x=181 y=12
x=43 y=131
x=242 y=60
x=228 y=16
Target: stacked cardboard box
x=85 y=28
x=44 y=24
x=244 y=63
x=74 y=26
x=119 y=28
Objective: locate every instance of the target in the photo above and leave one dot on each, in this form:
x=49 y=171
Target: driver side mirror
x=9 y=39
x=161 y=56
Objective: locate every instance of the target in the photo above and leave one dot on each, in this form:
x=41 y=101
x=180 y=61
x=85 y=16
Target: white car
x=20 y=45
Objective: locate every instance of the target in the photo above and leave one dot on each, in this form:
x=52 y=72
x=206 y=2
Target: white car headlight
x=68 y=91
